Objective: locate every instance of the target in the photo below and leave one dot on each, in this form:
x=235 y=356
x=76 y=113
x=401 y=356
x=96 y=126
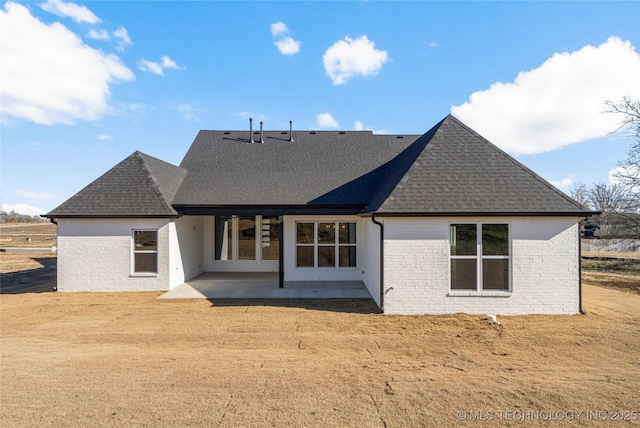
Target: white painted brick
x=96 y=255
x=544 y=266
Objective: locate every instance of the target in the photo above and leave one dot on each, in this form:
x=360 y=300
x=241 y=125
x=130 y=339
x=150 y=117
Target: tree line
x=15 y=217
x=618 y=203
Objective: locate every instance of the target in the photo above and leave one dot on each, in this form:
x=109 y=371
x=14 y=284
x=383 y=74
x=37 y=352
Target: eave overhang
x=268 y=210
x=484 y=214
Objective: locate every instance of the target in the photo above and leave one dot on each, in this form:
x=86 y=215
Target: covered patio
x=263 y=285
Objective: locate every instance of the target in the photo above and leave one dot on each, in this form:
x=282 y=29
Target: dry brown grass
x=129 y=359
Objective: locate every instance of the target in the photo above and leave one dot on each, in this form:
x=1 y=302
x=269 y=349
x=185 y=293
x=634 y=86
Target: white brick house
x=439 y=223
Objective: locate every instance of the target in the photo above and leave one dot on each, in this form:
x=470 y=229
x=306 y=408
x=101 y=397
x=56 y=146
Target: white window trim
x=134 y=252
x=336 y=245
x=479 y=291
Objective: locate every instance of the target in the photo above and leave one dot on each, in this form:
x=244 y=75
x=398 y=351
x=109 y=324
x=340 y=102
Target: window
x=145 y=251
x=246 y=238
x=479 y=257
x=326 y=244
x=270 y=238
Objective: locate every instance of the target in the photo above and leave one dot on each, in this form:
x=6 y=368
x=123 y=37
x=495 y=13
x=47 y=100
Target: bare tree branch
x=628 y=171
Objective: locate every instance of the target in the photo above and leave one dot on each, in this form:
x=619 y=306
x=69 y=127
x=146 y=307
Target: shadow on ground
x=353 y=306
x=39 y=280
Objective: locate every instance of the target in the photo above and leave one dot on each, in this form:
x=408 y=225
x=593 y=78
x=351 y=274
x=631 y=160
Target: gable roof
x=139 y=186
x=450 y=170
x=453 y=170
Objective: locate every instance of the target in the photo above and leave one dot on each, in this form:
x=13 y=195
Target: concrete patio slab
x=260 y=285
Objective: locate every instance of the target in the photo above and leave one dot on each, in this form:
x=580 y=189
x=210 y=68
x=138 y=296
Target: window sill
x=479 y=294
x=143 y=275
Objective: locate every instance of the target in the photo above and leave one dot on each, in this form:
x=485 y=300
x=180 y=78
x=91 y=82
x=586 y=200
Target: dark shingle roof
x=319 y=167
x=450 y=170
x=453 y=170
x=139 y=186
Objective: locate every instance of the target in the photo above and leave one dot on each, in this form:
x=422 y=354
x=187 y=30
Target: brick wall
x=96 y=255
x=544 y=268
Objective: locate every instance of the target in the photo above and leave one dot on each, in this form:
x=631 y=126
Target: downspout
x=582 y=311
x=281 y=252
x=373 y=219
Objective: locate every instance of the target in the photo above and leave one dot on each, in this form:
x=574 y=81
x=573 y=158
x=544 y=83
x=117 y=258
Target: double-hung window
x=145 y=251
x=480 y=256
x=325 y=244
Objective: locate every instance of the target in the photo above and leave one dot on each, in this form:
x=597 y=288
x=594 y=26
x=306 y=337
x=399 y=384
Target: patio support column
x=281 y=251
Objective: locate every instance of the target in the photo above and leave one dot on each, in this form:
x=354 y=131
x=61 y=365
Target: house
x=437 y=223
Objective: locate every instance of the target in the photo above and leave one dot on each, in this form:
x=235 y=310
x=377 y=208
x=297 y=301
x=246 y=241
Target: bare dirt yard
x=28 y=235
x=615 y=270
x=129 y=359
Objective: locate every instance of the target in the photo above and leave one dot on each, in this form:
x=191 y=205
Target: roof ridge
x=154 y=184
x=517 y=163
x=428 y=136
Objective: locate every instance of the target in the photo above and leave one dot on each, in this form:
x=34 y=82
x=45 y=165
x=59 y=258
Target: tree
x=618 y=209
x=628 y=171
x=579 y=193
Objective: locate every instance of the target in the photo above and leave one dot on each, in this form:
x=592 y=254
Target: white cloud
x=559 y=103
x=49 y=75
x=288 y=46
x=34 y=195
x=123 y=36
x=150 y=67
x=104 y=137
x=169 y=63
x=349 y=57
x=98 y=34
x=158 y=67
x=23 y=209
x=70 y=10
x=279 y=29
x=359 y=126
x=326 y=121
x=565 y=183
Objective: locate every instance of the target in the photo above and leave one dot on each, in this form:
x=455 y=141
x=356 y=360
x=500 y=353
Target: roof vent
x=312 y=132
x=261 y=139
x=227 y=132
x=251 y=130
x=342 y=132
x=399 y=136
x=291 y=131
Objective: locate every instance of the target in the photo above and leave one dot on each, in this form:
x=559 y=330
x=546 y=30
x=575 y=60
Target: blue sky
x=85 y=84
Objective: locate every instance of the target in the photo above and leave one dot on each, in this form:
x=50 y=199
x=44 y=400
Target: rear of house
x=439 y=223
